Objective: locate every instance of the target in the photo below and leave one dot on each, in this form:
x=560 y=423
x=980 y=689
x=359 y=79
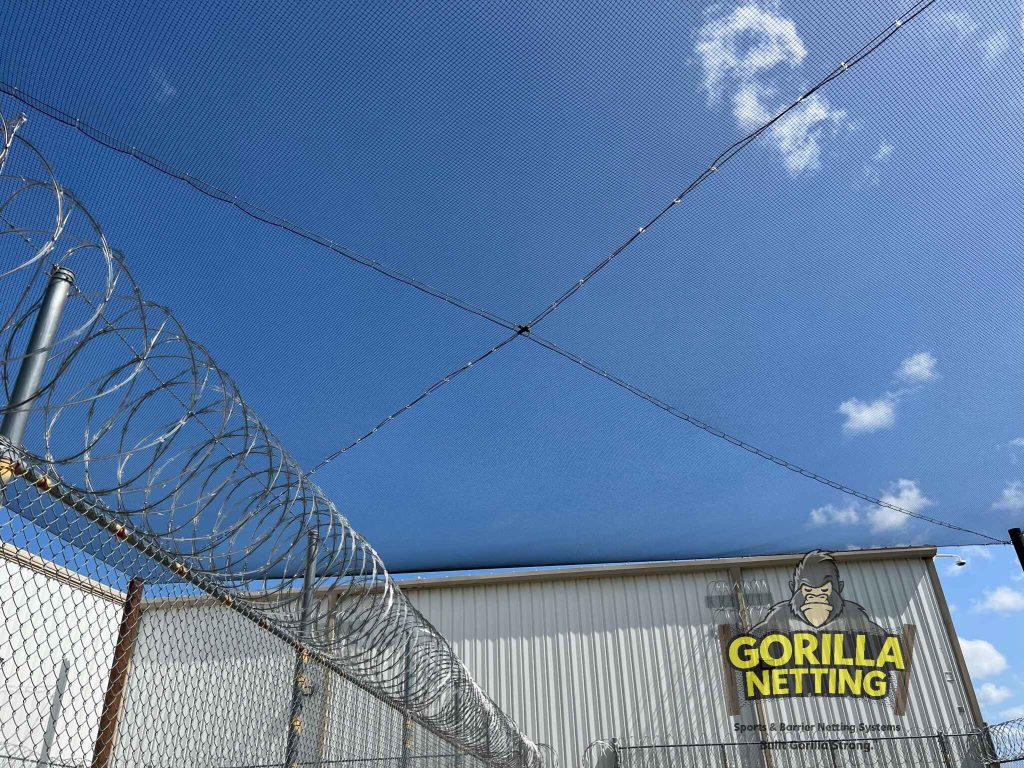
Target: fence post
x=301 y=656
x=1017 y=538
x=615 y=752
x=724 y=755
x=457 y=762
x=33 y=365
x=407 y=735
x=988 y=747
x=130 y=619
x=944 y=749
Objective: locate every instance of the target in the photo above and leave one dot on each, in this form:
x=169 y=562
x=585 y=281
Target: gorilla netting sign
x=175 y=590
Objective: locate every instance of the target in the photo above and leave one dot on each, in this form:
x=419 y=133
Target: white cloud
x=991 y=694
x=164 y=87
x=744 y=44
x=873 y=167
x=797 y=135
x=995 y=45
x=1001 y=600
x=871 y=416
x=983 y=660
x=1014 y=712
x=1012 y=497
x=961 y=24
x=992 y=44
x=746 y=55
x=831 y=514
x=1017 y=442
x=904 y=494
x=918 y=368
x=880 y=413
x=884 y=519
x=975 y=553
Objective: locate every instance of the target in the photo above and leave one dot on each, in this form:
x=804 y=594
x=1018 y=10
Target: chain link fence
x=175 y=590
x=998 y=745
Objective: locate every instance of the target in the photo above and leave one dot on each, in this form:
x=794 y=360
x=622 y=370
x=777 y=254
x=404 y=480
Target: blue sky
x=845 y=293
x=986 y=599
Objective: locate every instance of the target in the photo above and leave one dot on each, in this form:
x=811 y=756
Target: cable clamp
x=522 y=330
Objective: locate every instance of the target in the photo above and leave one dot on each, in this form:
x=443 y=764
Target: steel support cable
x=676 y=412
x=415 y=401
x=260 y=214
x=866 y=50
x=750 y=448
x=730 y=152
x=249 y=209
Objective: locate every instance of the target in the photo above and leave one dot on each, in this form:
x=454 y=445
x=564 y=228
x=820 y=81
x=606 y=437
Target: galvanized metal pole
x=457 y=762
x=947 y=760
x=407 y=735
x=299 y=681
x=1018 y=545
x=33 y=365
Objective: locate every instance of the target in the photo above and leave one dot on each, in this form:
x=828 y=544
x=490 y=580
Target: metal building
x=633 y=651
x=575 y=655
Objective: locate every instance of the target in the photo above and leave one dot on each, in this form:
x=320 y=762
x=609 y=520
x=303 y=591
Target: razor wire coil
x=137 y=431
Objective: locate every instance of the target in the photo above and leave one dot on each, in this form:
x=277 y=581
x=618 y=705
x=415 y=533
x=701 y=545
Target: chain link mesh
x=176 y=591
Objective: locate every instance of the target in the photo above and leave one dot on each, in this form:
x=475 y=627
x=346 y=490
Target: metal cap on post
x=33 y=365
x=1018 y=545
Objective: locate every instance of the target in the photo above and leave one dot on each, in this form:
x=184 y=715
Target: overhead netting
x=175 y=590
x=410 y=189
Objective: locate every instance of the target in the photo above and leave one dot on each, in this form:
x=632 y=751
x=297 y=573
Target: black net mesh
x=497 y=155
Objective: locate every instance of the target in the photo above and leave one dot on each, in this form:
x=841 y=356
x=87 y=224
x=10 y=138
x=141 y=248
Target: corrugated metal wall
x=637 y=656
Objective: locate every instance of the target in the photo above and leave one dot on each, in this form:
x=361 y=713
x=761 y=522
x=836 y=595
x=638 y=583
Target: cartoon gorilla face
x=817 y=589
x=816 y=602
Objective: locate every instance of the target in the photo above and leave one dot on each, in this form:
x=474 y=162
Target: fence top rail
x=697 y=744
